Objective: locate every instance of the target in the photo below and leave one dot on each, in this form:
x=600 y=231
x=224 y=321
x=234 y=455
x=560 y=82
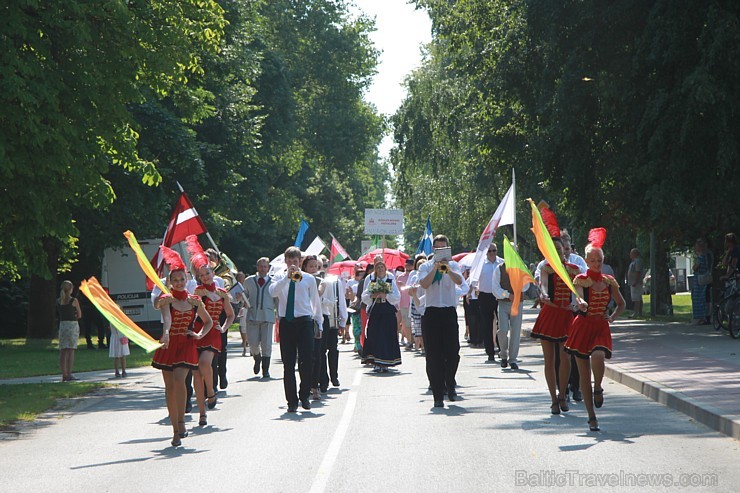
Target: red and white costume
x=590 y=331
x=554 y=322
x=212 y=340
x=181 y=351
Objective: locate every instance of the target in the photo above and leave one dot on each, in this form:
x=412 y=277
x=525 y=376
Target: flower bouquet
x=379 y=286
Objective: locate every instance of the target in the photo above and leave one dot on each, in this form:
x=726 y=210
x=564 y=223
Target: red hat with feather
x=198 y=257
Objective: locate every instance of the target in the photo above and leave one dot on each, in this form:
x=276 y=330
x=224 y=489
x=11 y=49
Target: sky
x=401 y=33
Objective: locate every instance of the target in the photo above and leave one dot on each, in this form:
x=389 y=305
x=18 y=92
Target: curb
x=703 y=413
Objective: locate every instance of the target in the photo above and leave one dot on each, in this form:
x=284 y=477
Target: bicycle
x=726 y=313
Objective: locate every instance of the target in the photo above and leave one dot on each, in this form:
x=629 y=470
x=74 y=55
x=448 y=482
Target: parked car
x=671 y=282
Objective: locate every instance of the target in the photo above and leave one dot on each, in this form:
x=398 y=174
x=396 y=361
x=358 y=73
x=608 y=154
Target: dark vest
x=505 y=281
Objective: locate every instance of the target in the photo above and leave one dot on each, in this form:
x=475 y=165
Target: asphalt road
x=374 y=432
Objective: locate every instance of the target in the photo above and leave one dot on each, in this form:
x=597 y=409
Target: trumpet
x=296 y=276
x=444 y=268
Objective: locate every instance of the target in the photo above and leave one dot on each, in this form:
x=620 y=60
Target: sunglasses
x=492 y=251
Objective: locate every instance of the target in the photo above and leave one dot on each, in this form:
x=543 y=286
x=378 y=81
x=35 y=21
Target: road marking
x=330 y=457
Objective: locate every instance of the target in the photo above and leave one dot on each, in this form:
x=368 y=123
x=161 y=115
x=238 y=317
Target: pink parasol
x=393 y=258
x=348 y=266
x=457 y=257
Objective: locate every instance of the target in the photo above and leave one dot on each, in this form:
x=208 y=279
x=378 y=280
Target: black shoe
x=210 y=404
x=577 y=396
x=439 y=403
x=188 y=406
x=335 y=382
x=266 y=375
x=257 y=363
x=505 y=363
x=305 y=404
x=90 y=345
x=514 y=366
x=324 y=390
x=224 y=382
x=452 y=395
x=102 y=346
x=293 y=408
x=491 y=359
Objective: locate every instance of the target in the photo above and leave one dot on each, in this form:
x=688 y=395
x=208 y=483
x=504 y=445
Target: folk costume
x=381 y=339
x=259 y=318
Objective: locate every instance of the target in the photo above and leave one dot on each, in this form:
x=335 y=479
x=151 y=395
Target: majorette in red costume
x=181 y=350
x=590 y=330
x=555 y=318
x=199 y=259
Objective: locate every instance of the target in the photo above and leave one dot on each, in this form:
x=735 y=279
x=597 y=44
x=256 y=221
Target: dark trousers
x=332 y=358
x=441 y=335
x=93 y=320
x=488 y=305
x=189 y=386
x=319 y=357
x=296 y=340
x=473 y=314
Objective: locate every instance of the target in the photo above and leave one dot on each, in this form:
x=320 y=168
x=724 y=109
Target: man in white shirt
x=334 y=308
x=299 y=308
x=439 y=325
x=487 y=302
x=509 y=327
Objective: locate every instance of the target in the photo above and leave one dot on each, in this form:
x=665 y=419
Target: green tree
x=71 y=71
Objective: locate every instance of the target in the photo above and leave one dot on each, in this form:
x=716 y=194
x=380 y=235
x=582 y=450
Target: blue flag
x=425 y=245
x=301 y=233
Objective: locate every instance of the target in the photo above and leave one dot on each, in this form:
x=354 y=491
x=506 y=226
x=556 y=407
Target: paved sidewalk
x=693 y=369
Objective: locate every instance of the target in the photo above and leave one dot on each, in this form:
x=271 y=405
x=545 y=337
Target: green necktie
x=437 y=277
x=290 y=306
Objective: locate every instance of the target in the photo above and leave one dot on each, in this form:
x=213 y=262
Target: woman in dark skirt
x=381 y=296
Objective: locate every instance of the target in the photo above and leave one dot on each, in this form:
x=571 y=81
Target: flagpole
x=513 y=197
x=213 y=243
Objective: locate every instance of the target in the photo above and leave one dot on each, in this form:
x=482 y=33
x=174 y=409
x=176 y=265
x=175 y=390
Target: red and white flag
x=184 y=221
x=505 y=214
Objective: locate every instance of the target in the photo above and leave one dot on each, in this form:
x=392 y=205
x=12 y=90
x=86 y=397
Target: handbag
x=704 y=279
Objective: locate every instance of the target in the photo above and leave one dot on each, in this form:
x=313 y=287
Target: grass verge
x=23 y=402
x=29 y=359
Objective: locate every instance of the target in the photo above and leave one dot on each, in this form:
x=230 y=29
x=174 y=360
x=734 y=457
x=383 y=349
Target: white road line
x=330 y=457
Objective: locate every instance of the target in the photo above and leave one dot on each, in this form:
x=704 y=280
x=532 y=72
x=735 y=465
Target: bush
x=13 y=309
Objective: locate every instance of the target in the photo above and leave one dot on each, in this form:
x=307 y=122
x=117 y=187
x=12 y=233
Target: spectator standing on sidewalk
x=635 y=275
x=68 y=312
x=118 y=350
x=731 y=259
x=590 y=338
x=700 y=291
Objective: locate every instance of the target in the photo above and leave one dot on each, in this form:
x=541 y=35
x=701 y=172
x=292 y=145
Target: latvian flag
x=338 y=253
x=184 y=221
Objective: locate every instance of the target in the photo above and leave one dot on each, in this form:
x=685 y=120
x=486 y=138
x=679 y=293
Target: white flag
x=505 y=214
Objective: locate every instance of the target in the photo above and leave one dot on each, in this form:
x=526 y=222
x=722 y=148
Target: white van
x=126 y=283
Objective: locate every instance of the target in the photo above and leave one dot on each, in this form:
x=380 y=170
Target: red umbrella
x=348 y=266
x=392 y=258
x=459 y=256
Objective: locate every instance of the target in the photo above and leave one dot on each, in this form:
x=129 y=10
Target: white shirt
x=442 y=294
x=393 y=297
x=332 y=305
x=306 y=303
x=499 y=292
x=485 y=281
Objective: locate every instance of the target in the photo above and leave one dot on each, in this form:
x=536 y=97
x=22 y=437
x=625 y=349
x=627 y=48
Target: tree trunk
x=664 y=303
x=43 y=295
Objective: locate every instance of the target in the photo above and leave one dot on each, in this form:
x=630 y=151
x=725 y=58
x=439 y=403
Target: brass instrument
x=444 y=268
x=296 y=276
